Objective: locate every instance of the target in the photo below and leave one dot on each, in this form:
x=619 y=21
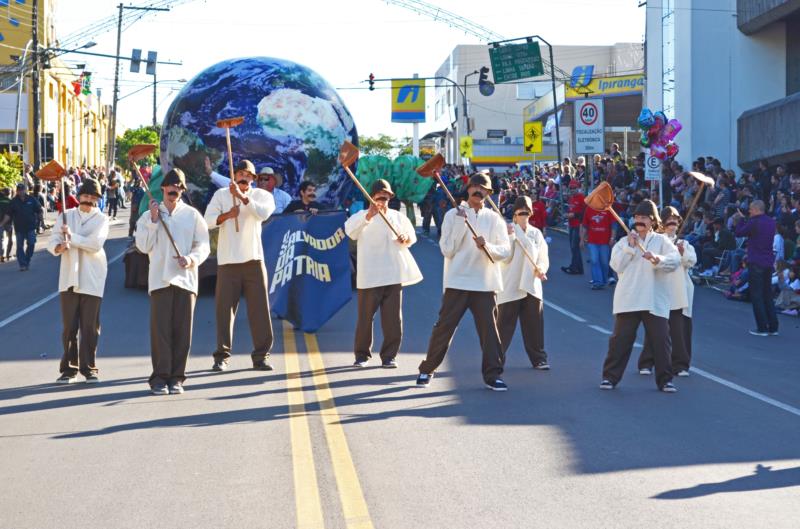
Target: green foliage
x=133 y=137
x=380 y=145
x=10 y=169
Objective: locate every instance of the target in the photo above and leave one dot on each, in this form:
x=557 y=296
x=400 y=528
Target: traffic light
x=485 y=86
x=484 y=75
x=372 y=81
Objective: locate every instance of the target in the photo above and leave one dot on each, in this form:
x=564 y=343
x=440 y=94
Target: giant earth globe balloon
x=294 y=122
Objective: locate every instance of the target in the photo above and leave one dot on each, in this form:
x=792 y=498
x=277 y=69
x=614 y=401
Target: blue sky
x=343 y=41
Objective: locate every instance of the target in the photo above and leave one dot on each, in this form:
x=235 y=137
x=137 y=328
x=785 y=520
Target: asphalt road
x=318 y=443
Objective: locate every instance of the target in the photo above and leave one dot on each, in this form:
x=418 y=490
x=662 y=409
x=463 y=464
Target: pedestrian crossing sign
x=465 y=146
x=533 y=137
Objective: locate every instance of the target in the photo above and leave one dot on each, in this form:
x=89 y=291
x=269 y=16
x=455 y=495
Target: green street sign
x=516 y=61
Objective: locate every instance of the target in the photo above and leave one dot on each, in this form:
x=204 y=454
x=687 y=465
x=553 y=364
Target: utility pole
x=415 y=132
x=35 y=84
x=155 y=92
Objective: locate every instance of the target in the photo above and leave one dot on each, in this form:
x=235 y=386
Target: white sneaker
x=683 y=373
x=646 y=371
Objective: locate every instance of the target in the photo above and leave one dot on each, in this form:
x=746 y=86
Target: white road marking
x=564 y=311
x=30 y=308
x=749 y=392
x=600 y=329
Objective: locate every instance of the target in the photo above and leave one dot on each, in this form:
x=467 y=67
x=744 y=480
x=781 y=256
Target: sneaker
x=497 y=385
x=669 y=387
x=262 y=365
x=67 y=379
x=612 y=281
x=159 y=389
x=389 y=364
x=361 y=363
x=424 y=380
x=597 y=287
x=92 y=379
x=646 y=371
x=707 y=273
x=756 y=332
x=683 y=373
x=176 y=388
x=789 y=312
x=542 y=366
x=772 y=333
x=606 y=384
x=219 y=365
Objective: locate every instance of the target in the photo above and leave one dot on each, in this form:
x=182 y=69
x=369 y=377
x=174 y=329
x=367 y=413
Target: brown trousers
x=620 y=345
x=80 y=314
x=171 y=313
x=680 y=334
x=233 y=281
x=483 y=307
x=389 y=299
x=528 y=311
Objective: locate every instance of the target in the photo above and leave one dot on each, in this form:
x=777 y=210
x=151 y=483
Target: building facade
x=497 y=120
x=73 y=129
x=729 y=70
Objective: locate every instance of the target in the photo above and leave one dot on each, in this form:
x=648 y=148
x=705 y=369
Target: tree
x=133 y=137
x=380 y=145
x=10 y=169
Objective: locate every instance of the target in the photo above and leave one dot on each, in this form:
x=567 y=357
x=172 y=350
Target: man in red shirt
x=71 y=201
x=576 y=207
x=538 y=219
x=596 y=231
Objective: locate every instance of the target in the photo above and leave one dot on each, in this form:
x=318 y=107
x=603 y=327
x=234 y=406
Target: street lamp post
x=19 y=88
x=466 y=110
x=555 y=99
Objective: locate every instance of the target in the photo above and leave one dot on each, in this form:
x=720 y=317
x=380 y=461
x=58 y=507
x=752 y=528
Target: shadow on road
x=762 y=478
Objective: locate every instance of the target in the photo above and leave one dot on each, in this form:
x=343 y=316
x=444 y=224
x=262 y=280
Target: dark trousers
x=389 y=299
x=483 y=307
x=761 y=298
x=26 y=243
x=234 y=281
x=680 y=334
x=709 y=256
x=430 y=208
x=171 y=313
x=620 y=345
x=80 y=315
x=112 y=206
x=528 y=311
x=575 y=247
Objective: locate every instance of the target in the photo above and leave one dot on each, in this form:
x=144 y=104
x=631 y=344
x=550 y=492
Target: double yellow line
x=307 y=498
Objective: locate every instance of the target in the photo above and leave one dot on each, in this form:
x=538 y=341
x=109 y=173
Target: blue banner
x=308 y=264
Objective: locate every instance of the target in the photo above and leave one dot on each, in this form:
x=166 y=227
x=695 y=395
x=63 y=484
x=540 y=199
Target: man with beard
x=471 y=281
x=240 y=258
x=307 y=201
x=641 y=297
x=78 y=238
x=172 y=280
x=681 y=294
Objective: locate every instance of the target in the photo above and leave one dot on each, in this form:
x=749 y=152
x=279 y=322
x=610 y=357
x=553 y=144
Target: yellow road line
x=306 y=491
x=354 y=506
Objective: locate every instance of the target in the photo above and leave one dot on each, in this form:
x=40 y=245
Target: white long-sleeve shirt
x=381 y=259
x=84 y=266
x=688 y=260
x=642 y=285
x=519 y=278
x=190 y=233
x=466 y=266
x=245 y=245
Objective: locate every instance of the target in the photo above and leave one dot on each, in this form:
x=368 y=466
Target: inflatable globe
x=294 y=122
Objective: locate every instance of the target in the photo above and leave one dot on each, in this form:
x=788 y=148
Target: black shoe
x=389 y=364
x=424 y=380
x=669 y=387
x=607 y=384
x=497 y=385
x=92 y=379
x=262 y=365
x=219 y=365
x=542 y=366
x=567 y=270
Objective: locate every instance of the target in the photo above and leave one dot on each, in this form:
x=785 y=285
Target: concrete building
x=498 y=118
x=74 y=129
x=729 y=70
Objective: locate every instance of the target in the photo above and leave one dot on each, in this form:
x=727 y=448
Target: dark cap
x=480 y=179
x=380 y=185
x=174 y=177
x=21 y=185
x=90 y=186
x=648 y=209
x=523 y=202
x=245 y=165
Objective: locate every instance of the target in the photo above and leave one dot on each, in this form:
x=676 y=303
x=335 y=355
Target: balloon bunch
x=658 y=133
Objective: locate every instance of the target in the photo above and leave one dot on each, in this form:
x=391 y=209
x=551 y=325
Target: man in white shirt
x=384 y=267
x=470 y=282
x=271 y=181
x=81 y=281
x=681 y=291
x=172 y=280
x=240 y=259
x=521 y=297
x=641 y=296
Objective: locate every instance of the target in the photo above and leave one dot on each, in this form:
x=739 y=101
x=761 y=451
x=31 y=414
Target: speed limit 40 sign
x=589 y=127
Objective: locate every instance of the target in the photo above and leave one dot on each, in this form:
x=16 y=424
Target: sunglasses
x=522 y=214
x=381 y=199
